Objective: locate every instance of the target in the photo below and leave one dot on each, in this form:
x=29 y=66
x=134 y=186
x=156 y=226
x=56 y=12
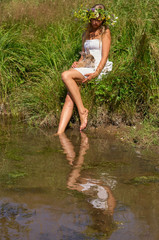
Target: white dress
x=95 y=48
x=100 y=195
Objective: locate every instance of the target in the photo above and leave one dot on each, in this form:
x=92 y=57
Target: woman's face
x=96 y=23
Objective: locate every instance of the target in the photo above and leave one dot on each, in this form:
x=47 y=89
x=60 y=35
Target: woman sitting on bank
x=96 y=40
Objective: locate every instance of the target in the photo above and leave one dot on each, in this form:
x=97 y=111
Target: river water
x=76 y=186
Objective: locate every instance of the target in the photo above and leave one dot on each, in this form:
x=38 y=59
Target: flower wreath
x=87 y=14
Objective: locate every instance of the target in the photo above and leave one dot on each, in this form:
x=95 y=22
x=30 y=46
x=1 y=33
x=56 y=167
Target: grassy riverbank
x=40 y=39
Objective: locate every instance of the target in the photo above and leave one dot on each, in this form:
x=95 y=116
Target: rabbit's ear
x=87 y=50
x=82 y=53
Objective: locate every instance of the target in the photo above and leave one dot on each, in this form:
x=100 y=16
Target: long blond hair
x=103 y=28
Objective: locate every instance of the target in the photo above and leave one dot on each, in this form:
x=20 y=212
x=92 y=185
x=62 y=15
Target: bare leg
x=69 y=78
x=65 y=114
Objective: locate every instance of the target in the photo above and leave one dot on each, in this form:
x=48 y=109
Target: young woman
x=97 y=40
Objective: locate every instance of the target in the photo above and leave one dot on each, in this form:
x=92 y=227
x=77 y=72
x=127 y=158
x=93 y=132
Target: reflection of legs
x=67 y=147
x=72 y=181
x=68 y=78
x=105 y=199
x=84 y=146
x=70 y=155
x=66 y=114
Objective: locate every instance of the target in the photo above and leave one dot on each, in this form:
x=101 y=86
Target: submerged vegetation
x=40 y=39
x=144 y=180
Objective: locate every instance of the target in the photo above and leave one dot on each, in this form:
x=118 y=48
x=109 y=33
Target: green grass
x=40 y=39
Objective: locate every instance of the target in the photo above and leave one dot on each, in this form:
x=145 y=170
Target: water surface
x=76 y=186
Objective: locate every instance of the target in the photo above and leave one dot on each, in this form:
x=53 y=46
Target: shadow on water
x=75 y=186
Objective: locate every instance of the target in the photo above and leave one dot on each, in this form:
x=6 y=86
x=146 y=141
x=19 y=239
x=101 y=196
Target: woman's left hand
x=89 y=76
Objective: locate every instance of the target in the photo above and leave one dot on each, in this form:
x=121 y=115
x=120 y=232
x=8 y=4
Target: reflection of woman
x=97 y=41
x=100 y=196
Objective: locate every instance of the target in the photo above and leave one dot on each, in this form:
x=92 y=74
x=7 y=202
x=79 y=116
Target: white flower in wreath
x=96 y=14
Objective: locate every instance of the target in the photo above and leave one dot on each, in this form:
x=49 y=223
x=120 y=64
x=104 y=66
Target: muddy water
x=76 y=186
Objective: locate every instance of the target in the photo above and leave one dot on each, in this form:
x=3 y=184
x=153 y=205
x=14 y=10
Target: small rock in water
x=157 y=168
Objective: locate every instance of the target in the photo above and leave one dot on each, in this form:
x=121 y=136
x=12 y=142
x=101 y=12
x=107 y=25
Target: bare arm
x=106 y=42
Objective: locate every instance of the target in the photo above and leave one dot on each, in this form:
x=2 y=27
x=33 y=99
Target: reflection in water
x=42 y=197
x=98 y=194
x=14 y=216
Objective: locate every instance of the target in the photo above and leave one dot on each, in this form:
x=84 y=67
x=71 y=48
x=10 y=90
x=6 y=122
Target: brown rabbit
x=87 y=61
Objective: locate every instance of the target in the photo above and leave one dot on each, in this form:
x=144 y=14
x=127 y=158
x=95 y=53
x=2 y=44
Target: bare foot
x=83 y=118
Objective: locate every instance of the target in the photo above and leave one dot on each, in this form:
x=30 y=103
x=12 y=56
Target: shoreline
x=137 y=134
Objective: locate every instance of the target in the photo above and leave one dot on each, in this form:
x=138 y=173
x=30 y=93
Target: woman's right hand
x=74 y=64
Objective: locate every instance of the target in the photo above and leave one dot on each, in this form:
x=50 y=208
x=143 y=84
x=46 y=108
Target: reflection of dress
x=98 y=193
x=95 y=48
